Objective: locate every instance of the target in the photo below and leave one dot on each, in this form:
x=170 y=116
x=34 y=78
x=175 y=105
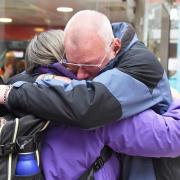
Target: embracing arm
x=147 y=134
x=110 y=96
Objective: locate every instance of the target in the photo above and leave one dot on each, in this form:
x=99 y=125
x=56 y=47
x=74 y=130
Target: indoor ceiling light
x=5 y=20
x=174 y=14
x=64 y=9
x=39 y=29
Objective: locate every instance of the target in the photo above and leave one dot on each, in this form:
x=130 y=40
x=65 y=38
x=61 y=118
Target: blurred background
x=157 y=23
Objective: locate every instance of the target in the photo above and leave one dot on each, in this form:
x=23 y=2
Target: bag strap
x=24 y=143
x=7 y=149
x=105 y=155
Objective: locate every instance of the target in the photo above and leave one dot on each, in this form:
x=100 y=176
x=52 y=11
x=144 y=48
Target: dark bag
x=17 y=135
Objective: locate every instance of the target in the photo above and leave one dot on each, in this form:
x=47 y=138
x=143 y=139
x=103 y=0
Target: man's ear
x=117 y=45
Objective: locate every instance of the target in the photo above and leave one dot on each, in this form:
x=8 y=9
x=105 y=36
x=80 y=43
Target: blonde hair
x=45 y=48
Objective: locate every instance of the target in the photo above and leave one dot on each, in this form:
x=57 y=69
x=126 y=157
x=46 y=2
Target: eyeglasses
x=74 y=66
x=90 y=67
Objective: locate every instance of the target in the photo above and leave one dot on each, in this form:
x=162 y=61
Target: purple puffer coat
x=68 y=151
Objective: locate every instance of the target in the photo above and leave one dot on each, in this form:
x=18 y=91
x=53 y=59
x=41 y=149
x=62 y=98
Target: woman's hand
x=51 y=76
x=4 y=92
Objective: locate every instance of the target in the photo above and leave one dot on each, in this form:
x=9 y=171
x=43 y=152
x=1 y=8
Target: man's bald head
x=87 y=25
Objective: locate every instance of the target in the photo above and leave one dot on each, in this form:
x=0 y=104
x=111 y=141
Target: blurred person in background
x=20 y=66
x=8 y=69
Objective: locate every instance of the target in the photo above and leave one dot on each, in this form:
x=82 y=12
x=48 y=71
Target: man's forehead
x=82 y=36
x=85 y=54
x=85 y=47
x=84 y=43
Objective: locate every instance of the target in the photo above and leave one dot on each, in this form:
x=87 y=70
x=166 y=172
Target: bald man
x=117 y=78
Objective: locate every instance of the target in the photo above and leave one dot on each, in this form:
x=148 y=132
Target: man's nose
x=82 y=74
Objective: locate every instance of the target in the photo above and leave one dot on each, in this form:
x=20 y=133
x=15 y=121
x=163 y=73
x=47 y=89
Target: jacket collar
x=126 y=33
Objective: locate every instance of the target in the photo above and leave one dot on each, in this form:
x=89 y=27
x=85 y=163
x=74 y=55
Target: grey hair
x=45 y=48
x=96 y=21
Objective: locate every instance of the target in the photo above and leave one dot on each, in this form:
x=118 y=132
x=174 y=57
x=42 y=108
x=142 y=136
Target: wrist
x=46 y=77
x=6 y=93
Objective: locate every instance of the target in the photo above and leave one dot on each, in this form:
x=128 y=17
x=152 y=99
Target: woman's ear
x=116 y=45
